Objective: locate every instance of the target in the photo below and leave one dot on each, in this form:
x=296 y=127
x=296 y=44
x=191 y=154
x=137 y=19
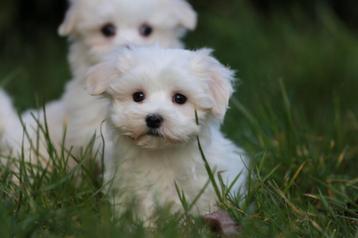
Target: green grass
x=295 y=112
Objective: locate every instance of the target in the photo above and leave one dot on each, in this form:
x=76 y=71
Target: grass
x=295 y=112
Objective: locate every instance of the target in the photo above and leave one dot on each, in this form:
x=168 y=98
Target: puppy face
x=155 y=93
x=102 y=25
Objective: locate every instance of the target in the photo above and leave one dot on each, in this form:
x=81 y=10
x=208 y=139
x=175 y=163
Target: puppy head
x=155 y=93
x=102 y=25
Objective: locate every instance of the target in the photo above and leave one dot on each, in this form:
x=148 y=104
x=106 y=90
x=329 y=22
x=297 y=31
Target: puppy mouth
x=154 y=133
x=151 y=133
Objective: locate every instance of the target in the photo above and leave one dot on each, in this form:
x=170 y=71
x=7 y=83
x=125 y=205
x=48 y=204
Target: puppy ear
x=219 y=80
x=99 y=78
x=68 y=25
x=185 y=13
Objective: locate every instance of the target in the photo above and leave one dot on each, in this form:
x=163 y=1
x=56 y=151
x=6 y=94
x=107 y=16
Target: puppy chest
x=155 y=181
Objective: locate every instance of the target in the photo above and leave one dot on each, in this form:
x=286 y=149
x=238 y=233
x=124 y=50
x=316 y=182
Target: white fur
x=146 y=167
x=81 y=113
x=169 y=18
x=13 y=139
x=10 y=127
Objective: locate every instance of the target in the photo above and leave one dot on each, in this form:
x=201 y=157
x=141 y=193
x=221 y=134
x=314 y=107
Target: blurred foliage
x=17 y=15
x=7 y=13
x=21 y=14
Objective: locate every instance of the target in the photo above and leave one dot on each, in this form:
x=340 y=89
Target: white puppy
x=8 y=123
x=96 y=27
x=152 y=124
x=14 y=139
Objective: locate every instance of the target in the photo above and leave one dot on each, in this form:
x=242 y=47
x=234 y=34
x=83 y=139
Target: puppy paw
x=221 y=222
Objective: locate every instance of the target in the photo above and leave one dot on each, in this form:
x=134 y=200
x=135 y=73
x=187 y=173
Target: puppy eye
x=108 y=30
x=145 y=30
x=179 y=99
x=138 y=97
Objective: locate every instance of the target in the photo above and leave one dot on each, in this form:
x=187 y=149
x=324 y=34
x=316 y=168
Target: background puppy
x=155 y=93
x=13 y=137
x=94 y=28
x=8 y=121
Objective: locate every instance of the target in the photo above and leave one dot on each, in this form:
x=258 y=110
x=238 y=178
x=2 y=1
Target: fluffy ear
x=219 y=80
x=100 y=76
x=185 y=13
x=68 y=25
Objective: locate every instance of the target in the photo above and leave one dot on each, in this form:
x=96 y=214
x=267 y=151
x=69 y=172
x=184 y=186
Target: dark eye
x=145 y=30
x=108 y=30
x=138 y=96
x=179 y=99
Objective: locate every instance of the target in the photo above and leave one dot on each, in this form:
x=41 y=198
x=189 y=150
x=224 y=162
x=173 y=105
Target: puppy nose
x=154 y=121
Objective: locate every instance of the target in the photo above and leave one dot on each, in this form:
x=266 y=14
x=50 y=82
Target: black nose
x=154 y=121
